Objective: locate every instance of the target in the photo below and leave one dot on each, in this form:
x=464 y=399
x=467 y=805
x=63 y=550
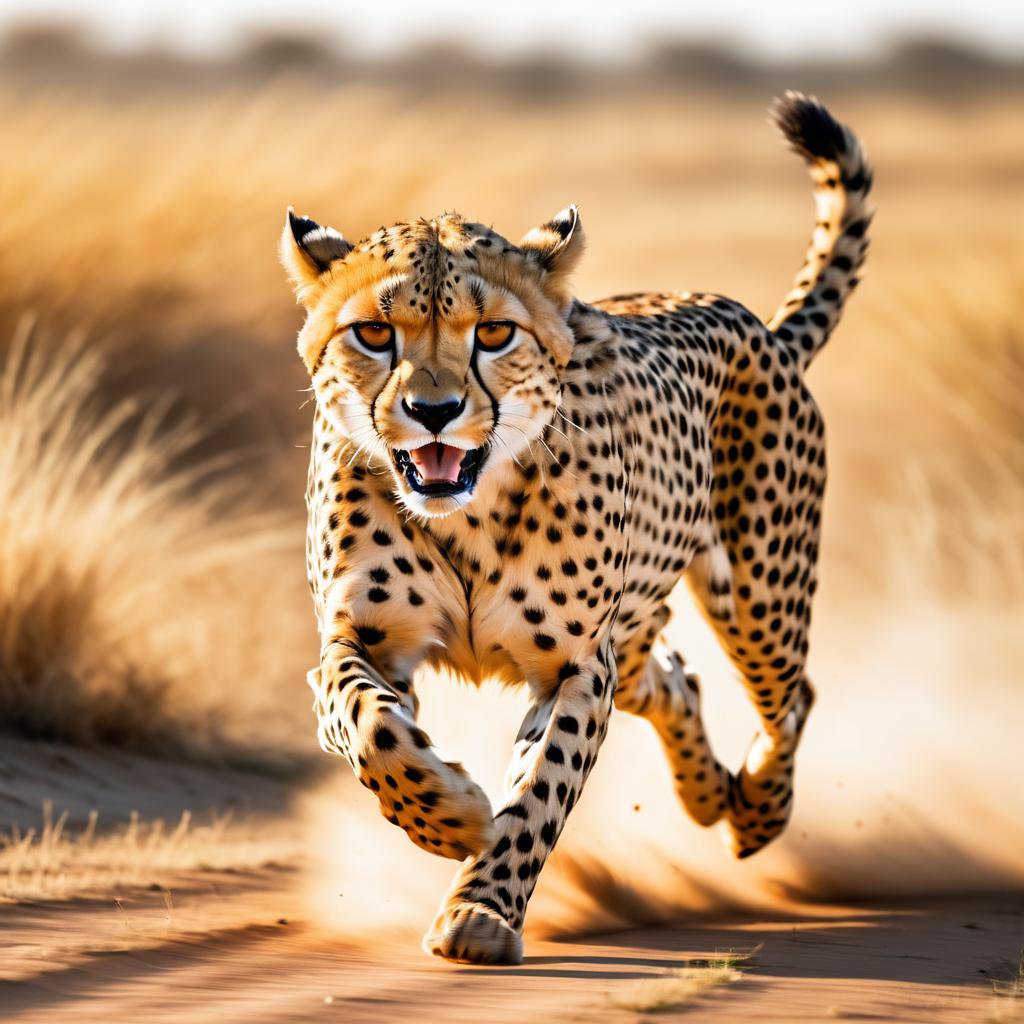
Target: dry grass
x=1008 y=1007
x=130 y=578
x=142 y=601
x=52 y=863
x=169 y=210
x=675 y=989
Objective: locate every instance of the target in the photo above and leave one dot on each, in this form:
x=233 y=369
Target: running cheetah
x=508 y=482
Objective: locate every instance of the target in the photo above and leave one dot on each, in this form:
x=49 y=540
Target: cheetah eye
x=374 y=337
x=495 y=335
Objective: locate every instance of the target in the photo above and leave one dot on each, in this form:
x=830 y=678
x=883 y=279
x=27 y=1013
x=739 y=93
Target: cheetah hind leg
x=761 y=795
x=709 y=577
x=669 y=698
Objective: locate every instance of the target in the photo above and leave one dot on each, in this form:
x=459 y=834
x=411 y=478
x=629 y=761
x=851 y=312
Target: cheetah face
x=436 y=346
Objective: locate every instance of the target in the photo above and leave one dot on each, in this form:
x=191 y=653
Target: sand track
x=230 y=951
x=243 y=942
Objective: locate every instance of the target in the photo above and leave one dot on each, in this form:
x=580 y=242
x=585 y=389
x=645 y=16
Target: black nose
x=434 y=416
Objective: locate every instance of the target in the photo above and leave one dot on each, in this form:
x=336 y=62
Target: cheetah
x=507 y=483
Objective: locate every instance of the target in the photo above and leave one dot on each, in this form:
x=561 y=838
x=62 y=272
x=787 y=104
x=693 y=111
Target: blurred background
x=154 y=413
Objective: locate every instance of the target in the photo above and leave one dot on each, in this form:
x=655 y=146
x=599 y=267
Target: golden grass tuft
x=136 y=593
x=52 y=863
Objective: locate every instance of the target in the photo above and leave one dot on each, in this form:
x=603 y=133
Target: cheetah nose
x=434 y=415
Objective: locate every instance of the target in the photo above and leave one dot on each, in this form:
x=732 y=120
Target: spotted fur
x=611 y=449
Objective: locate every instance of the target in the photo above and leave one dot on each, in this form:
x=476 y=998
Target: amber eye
x=494 y=335
x=375 y=337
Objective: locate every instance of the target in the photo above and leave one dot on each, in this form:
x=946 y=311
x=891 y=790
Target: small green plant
x=675 y=988
x=1009 y=995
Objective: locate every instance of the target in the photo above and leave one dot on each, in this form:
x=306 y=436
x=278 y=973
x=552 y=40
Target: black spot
x=514 y=811
x=370 y=635
x=384 y=738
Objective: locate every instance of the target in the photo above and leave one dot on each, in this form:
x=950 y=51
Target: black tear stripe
x=376 y=398
x=323 y=354
x=495 y=408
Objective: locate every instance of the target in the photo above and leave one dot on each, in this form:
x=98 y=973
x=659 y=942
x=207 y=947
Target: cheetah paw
x=749 y=827
x=470 y=933
x=435 y=802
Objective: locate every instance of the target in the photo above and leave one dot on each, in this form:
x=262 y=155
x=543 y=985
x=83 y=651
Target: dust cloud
x=910 y=782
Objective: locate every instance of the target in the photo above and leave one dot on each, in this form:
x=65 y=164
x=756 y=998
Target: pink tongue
x=438 y=462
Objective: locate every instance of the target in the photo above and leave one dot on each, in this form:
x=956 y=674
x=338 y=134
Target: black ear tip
x=322 y=245
x=301 y=226
x=565 y=222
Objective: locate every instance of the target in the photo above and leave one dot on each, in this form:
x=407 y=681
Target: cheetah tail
x=842 y=181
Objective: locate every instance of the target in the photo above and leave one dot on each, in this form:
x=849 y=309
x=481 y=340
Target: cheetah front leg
x=372 y=724
x=481 y=918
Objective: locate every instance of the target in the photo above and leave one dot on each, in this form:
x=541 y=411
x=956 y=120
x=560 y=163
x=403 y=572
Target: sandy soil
x=226 y=953
x=235 y=945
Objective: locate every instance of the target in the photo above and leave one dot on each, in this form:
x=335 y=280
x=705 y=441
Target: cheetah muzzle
x=508 y=482
x=440 y=470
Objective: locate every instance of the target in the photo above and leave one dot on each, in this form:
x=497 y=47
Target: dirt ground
x=229 y=952
x=236 y=944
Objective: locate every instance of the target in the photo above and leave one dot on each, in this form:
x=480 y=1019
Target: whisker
x=562 y=433
x=572 y=423
x=540 y=440
x=511 y=453
x=529 y=444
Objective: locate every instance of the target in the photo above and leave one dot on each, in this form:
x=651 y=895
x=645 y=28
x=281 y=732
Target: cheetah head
x=436 y=346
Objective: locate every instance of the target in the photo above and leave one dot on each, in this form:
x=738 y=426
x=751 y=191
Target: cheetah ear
x=556 y=248
x=307 y=252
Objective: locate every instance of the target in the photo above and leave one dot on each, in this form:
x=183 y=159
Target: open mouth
x=439 y=469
